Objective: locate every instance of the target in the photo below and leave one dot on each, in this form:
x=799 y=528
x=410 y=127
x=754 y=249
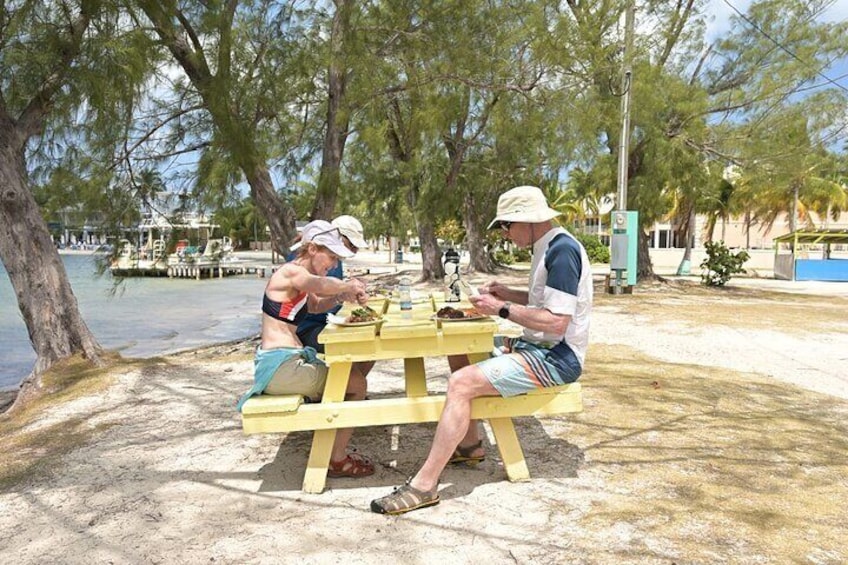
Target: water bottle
x=451 y=289
x=405 y=295
x=455 y=294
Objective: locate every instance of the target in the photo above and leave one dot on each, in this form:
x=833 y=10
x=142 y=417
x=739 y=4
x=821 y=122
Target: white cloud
x=718 y=16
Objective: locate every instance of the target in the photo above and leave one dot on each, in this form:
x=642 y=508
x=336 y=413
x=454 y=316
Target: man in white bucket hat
x=523 y=204
x=554 y=312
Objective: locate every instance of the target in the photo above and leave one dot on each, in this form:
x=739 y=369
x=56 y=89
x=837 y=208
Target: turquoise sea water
x=144 y=317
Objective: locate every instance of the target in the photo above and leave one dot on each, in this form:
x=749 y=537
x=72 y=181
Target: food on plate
x=451 y=313
x=362 y=314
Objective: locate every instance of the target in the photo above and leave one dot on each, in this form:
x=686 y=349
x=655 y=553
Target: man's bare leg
x=472 y=436
x=465 y=385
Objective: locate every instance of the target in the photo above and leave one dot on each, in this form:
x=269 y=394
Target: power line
x=778 y=44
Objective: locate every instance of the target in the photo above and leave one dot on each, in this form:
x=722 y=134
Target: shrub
x=516 y=254
x=595 y=248
x=521 y=254
x=721 y=264
x=503 y=257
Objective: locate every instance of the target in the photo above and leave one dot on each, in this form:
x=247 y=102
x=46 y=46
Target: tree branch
x=147 y=135
x=31 y=119
x=678 y=23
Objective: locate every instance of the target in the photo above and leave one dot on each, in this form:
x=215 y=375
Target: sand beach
x=714 y=431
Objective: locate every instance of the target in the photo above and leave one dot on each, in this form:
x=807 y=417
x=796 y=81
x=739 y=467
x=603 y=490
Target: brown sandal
x=463 y=455
x=353 y=465
x=405 y=499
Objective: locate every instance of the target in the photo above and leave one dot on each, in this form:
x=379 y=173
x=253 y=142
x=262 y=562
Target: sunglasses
x=349 y=244
x=506 y=225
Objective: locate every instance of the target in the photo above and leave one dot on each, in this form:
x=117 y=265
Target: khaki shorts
x=297 y=376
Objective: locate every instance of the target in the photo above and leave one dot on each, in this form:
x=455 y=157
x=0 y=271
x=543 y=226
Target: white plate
x=357 y=324
x=342 y=321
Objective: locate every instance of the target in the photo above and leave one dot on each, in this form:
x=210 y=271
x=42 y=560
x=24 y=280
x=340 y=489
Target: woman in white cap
x=314 y=323
x=283 y=365
x=351 y=231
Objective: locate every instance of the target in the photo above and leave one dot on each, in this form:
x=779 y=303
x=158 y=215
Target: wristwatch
x=504 y=311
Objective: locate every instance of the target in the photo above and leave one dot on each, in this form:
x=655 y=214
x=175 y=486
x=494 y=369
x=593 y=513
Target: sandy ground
x=705 y=438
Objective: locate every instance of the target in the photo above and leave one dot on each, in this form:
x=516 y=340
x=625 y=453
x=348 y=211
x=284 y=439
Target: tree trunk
x=236 y=132
x=475 y=238
x=280 y=217
x=431 y=264
x=711 y=223
x=685 y=264
x=431 y=256
x=338 y=120
x=747 y=229
x=644 y=267
x=45 y=298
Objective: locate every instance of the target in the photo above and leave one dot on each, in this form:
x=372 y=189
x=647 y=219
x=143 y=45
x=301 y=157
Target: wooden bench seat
x=275 y=414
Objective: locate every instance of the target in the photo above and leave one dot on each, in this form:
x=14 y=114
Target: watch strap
x=504 y=311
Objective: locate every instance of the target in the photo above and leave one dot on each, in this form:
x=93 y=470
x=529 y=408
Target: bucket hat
x=523 y=204
x=351 y=228
x=322 y=232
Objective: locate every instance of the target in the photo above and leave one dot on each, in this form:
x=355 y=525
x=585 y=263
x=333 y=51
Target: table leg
x=336 y=385
x=315 y=477
x=510 y=450
x=416 y=380
x=477 y=357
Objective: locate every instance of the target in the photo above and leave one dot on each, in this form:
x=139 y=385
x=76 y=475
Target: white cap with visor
x=322 y=232
x=351 y=228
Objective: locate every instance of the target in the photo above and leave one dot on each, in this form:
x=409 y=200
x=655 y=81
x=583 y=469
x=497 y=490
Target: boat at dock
x=149 y=256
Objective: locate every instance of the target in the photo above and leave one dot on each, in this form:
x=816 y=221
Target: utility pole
x=625 y=224
x=626 y=98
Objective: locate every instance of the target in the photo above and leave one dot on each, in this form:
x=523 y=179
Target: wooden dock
x=220 y=270
x=197 y=272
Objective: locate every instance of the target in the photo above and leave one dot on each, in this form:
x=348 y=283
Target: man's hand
x=486 y=303
x=496 y=289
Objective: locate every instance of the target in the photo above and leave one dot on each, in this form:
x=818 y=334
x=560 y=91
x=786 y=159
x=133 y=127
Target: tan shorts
x=297 y=376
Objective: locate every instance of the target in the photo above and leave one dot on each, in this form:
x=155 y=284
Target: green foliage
x=721 y=264
x=595 y=248
x=521 y=254
x=447 y=105
x=451 y=231
x=242 y=222
x=513 y=255
x=503 y=257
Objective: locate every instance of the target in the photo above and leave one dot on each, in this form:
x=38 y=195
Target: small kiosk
x=794 y=259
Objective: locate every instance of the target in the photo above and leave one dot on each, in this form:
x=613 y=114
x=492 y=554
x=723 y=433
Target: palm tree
x=567 y=203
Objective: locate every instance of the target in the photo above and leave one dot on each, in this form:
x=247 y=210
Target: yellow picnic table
x=411 y=339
